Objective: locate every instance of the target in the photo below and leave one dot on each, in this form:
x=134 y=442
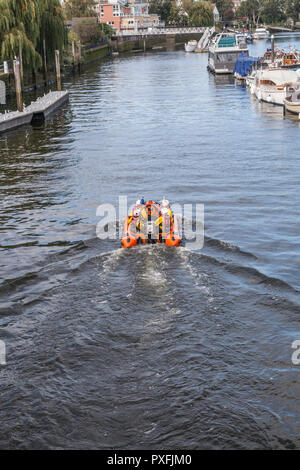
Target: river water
x=151 y=347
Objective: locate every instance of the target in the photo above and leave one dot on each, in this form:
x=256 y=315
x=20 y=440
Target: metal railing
x=158 y=30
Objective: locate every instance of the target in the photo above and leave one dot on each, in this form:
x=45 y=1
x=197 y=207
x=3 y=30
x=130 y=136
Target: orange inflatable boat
x=151 y=222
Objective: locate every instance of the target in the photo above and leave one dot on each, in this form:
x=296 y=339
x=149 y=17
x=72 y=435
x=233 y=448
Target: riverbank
x=39 y=80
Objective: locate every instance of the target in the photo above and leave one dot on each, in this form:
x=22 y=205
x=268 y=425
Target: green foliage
x=24 y=24
x=51 y=27
x=225 y=8
x=88 y=33
x=107 y=30
x=72 y=36
x=293 y=9
x=177 y=16
x=19 y=31
x=162 y=8
x=79 y=8
x=91 y=33
x=273 y=11
x=191 y=13
x=269 y=11
x=200 y=14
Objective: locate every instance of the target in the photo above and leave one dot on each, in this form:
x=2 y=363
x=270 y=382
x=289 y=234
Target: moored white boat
x=261 y=33
x=190 y=46
x=291 y=101
x=269 y=85
x=223 y=52
x=250 y=80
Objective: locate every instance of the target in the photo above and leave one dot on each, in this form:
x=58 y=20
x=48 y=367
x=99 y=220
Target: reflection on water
x=111 y=348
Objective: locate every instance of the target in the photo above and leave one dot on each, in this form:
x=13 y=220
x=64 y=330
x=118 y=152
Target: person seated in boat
x=149 y=217
x=134 y=214
x=167 y=216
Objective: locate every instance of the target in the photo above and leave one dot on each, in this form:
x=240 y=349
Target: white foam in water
x=113 y=258
x=153 y=265
x=200 y=279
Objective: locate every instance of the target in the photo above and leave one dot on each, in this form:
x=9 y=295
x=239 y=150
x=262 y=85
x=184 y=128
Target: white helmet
x=164 y=211
x=165 y=203
x=138 y=202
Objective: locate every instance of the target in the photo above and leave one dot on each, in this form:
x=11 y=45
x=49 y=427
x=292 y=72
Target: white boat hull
x=261 y=36
x=261 y=33
x=190 y=47
x=292 y=107
x=270 y=96
x=270 y=85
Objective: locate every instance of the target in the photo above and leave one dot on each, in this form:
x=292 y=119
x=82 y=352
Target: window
x=116 y=10
x=227 y=57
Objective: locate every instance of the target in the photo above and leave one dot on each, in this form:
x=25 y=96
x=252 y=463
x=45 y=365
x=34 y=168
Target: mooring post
x=21 y=65
x=58 y=76
x=73 y=53
x=79 y=55
x=18 y=85
x=144 y=45
x=45 y=60
x=273 y=47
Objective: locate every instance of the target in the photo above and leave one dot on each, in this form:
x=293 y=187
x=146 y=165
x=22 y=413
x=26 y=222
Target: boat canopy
x=279 y=76
x=227 y=42
x=244 y=63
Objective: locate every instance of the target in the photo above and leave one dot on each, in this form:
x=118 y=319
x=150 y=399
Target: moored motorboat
x=151 y=222
x=281 y=58
x=269 y=85
x=224 y=51
x=250 y=80
x=190 y=46
x=261 y=33
x=291 y=101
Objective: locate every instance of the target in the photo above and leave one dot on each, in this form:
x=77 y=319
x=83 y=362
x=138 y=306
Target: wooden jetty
x=279 y=29
x=38 y=110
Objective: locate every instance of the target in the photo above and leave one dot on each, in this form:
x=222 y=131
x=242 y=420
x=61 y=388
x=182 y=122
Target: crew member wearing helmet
x=134 y=214
x=167 y=217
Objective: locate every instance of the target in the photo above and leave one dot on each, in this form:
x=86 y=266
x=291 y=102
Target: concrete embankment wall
x=96 y=53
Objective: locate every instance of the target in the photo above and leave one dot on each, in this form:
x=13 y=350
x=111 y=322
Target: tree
x=177 y=16
x=252 y=9
x=273 y=11
x=224 y=6
x=162 y=8
x=293 y=9
x=200 y=14
x=88 y=33
x=24 y=24
x=51 y=27
x=79 y=8
x=19 y=30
